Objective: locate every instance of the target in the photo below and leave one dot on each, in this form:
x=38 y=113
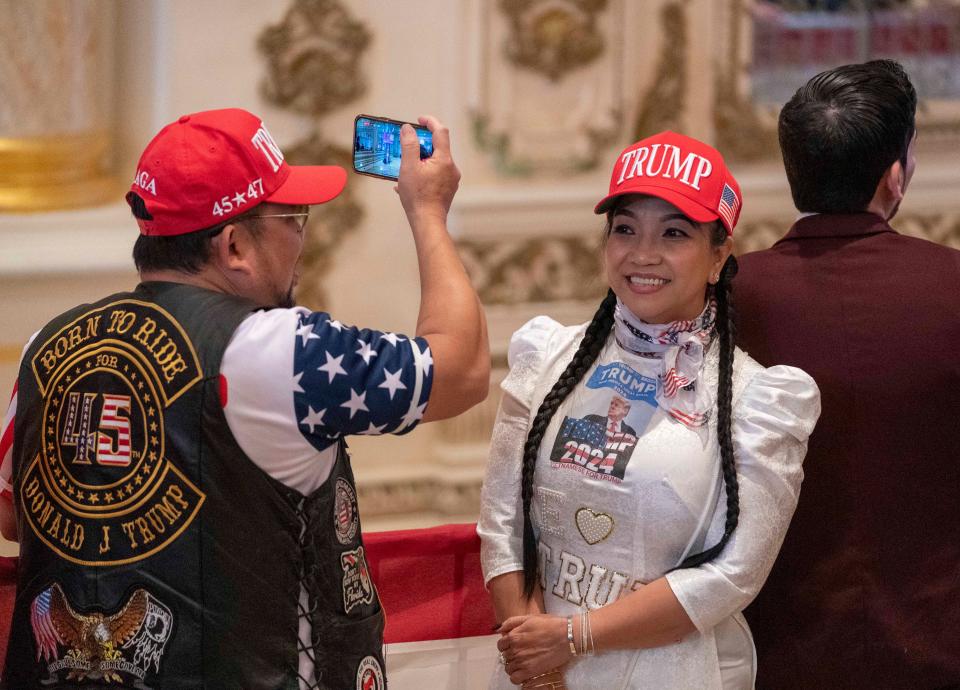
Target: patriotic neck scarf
x=681 y=346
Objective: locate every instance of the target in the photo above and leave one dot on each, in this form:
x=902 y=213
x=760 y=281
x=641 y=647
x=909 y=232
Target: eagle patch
x=116 y=648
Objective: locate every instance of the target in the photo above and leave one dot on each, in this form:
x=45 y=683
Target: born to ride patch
x=100 y=491
x=114 y=648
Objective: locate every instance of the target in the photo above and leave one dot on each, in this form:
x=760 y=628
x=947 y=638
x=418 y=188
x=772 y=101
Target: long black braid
x=726 y=334
x=590 y=346
x=586 y=354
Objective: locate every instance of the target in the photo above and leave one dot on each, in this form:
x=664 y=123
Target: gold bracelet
x=573 y=647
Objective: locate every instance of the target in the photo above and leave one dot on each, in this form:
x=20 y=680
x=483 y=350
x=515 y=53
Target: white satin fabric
x=670 y=503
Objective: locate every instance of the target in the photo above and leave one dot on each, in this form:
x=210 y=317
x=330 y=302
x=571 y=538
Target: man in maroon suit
x=866 y=591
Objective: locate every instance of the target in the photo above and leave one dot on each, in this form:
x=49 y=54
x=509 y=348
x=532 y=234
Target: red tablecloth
x=429 y=581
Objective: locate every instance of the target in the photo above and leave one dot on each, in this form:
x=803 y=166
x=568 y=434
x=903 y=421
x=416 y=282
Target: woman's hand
x=532 y=645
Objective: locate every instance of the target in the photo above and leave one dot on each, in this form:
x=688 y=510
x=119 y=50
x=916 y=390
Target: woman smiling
x=620 y=551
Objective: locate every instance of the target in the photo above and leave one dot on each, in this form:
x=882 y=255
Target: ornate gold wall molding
x=534 y=269
x=743 y=133
x=57 y=104
x=662 y=105
x=553 y=37
x=943 y=228
x=55 y=172
x=546 y=83
x=314 y=66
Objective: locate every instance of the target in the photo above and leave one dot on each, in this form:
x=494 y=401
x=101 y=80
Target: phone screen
x=376 y=145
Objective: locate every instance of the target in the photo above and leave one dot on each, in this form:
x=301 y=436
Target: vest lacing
x=302 y=611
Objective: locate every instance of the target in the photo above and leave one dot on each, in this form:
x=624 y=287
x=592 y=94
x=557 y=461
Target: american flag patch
x=729 y=205
x=44 y=632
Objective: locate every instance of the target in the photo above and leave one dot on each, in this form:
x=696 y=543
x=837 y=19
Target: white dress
x=616 y=505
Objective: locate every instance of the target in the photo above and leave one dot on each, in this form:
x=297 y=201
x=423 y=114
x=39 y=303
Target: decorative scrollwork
x=534 y=269
x=313 y=60
x=741 y=132
x=662 y=105
x=942 y=228
x=553 y=37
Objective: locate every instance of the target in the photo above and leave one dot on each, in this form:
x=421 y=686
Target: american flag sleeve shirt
x=294 y=382
x=297 y=381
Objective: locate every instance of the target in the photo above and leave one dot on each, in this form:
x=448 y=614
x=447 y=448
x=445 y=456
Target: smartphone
x=376 y=145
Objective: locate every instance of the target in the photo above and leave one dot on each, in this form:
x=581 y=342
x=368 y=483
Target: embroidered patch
x=345 y=519
x=550 y=505
x=101 y=491
x=117 y=648
x=357 y=585
x=370 y=675
x=593 y=527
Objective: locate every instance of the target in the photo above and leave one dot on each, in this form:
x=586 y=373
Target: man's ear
x=892 y=181
x=233 y=248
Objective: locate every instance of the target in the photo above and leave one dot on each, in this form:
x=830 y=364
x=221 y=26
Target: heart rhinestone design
x=593 y=527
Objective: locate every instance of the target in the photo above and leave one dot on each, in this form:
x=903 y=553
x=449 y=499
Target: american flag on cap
x=729 y=205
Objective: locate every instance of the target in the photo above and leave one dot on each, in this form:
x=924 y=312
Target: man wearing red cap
x=864 y=594
x=173 y=461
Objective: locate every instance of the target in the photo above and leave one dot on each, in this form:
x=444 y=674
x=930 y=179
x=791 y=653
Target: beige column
x=56 y=104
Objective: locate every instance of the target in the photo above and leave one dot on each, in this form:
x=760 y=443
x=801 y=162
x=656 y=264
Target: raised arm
x=451 y=318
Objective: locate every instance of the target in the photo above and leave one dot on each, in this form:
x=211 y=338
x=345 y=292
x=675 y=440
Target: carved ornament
x=553 y=37
x=313 y=67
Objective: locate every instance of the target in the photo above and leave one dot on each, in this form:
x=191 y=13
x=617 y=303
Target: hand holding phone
x=427 y=187
x=376 y=145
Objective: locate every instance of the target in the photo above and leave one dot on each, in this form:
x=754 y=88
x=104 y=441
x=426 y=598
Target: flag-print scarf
x=681 y=346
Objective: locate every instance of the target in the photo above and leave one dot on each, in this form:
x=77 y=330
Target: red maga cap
x=682 y=171
x=208 y=167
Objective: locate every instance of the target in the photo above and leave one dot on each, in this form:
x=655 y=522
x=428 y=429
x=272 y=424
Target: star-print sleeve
x=296 y=381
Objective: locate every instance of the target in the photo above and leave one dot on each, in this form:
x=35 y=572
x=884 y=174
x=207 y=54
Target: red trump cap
x=210 y=166
x=682 y=171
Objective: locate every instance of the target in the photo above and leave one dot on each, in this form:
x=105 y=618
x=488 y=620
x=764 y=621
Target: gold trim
x=10 y=354
x=593 y=516
x=57 y=171
x=741 y=132
x=314 y=65
x=552 y=38
x=663 y=104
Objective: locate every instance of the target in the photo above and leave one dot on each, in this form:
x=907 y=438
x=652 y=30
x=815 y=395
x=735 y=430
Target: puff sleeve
x=501 y=516
x=771 y=424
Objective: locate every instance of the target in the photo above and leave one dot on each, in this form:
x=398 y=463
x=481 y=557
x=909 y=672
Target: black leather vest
x=154 y=553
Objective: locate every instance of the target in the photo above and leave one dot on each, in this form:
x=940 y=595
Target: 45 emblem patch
x=116 y=648
x=357 y=585
x=101 y=491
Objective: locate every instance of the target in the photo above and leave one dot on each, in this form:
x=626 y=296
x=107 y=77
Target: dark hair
x=842 y=130
x=187 y=253
x=586 y=354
